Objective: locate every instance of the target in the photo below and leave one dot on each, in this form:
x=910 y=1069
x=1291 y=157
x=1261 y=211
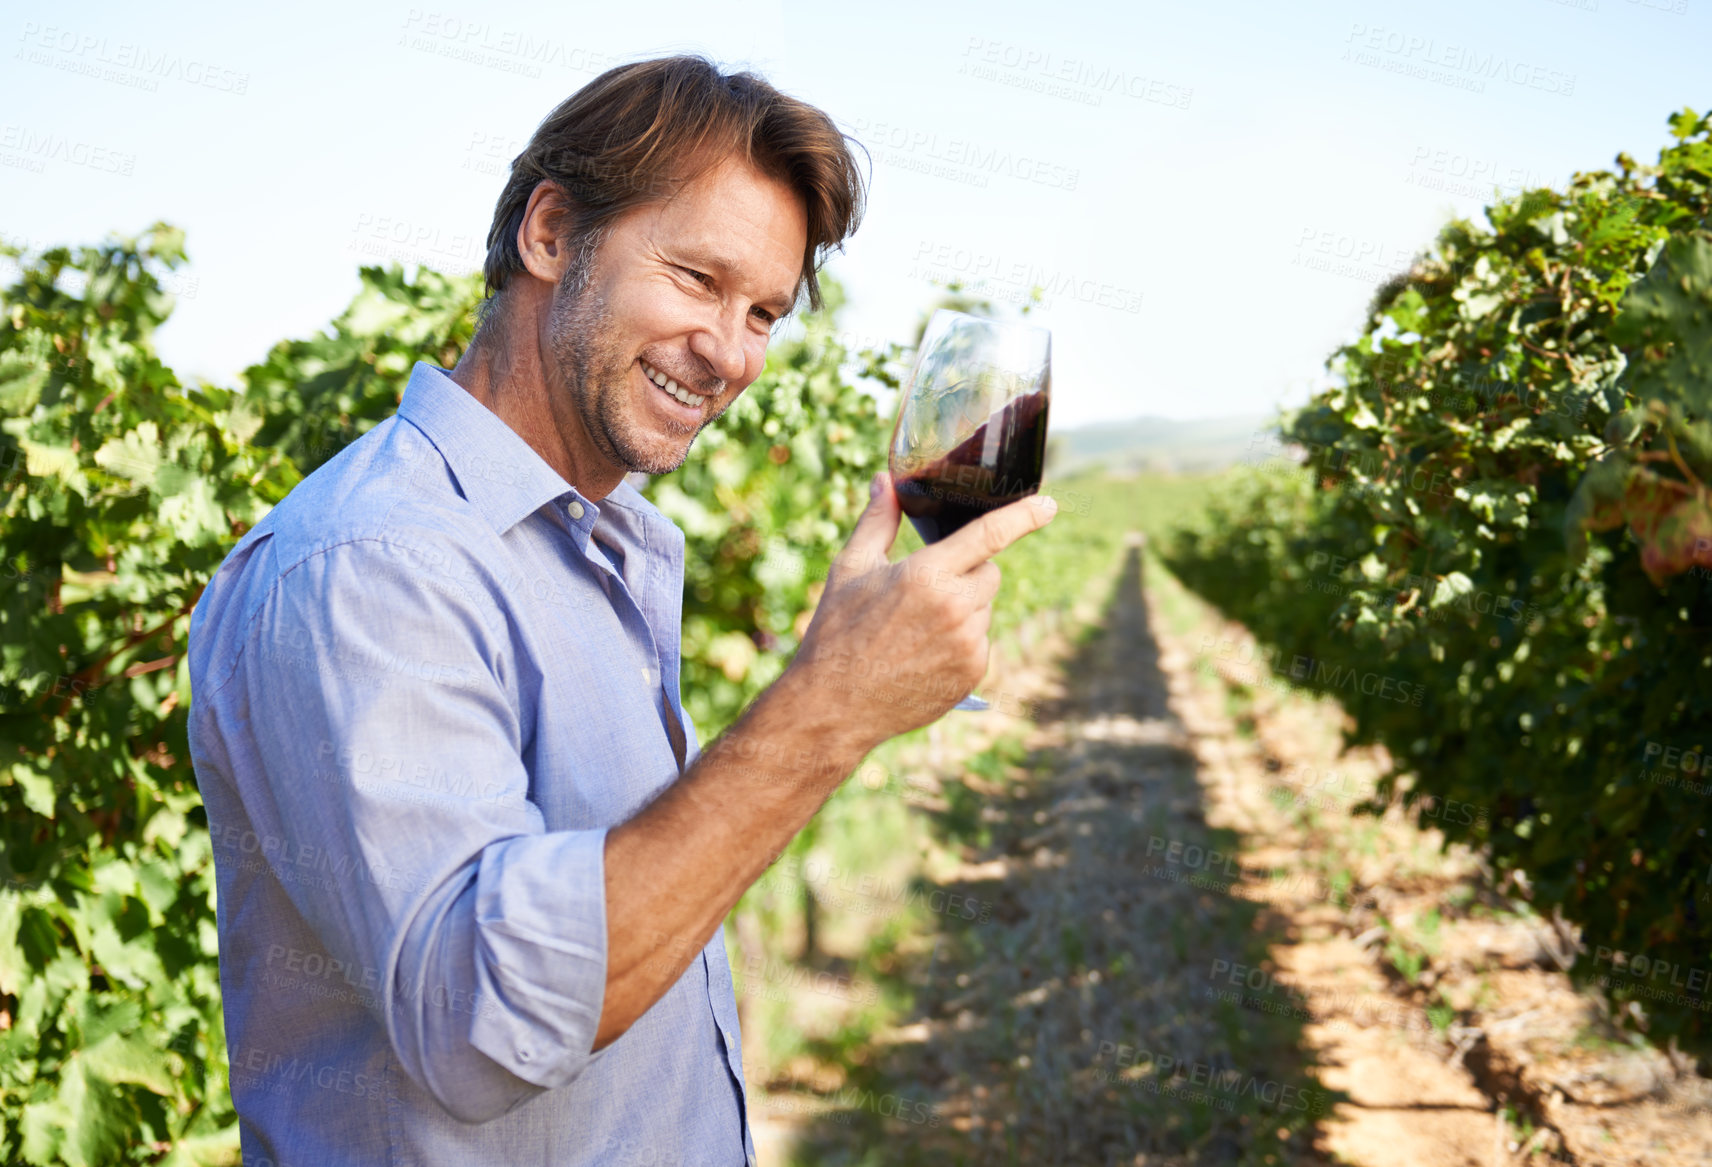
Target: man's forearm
x=675 y=871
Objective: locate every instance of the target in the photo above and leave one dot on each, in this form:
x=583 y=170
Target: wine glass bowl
x=971 y=429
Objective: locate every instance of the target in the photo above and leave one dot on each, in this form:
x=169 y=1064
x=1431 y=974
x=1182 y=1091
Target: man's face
x=688 y=290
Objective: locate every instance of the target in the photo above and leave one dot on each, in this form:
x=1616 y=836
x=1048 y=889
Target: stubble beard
x=592 y=372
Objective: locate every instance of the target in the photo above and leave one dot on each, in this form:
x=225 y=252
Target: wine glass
x=971 y=428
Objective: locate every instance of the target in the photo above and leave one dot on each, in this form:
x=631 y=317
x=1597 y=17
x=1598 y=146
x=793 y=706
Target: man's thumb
x=877 y=528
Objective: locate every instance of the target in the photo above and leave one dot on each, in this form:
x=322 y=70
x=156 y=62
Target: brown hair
x=638 y=132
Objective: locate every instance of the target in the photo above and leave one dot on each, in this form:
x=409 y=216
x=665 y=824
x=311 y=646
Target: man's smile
x=671 y=388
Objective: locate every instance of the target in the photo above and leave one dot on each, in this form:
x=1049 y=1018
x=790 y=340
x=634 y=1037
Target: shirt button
x=575 y=509
x=524 y=1054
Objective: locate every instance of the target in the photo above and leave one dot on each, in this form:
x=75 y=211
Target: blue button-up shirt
x=426 y=685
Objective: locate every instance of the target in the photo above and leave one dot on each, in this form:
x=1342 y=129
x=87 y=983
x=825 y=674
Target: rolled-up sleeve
x=385 y=708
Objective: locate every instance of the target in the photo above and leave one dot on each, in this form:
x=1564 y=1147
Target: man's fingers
x=993 y=532
x=976 y=627
x=978 y=622
x=983 y=584
x=876 y=529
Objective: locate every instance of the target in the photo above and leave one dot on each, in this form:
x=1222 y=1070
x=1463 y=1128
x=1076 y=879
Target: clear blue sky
x=1211 y=190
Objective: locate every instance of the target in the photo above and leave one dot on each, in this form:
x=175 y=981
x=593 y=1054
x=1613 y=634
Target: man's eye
x=705 y=278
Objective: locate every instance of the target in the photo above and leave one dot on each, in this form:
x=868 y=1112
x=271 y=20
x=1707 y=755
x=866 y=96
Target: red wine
x=997 y=464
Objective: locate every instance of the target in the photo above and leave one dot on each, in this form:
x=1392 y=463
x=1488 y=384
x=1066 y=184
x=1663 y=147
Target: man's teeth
x=670 y=386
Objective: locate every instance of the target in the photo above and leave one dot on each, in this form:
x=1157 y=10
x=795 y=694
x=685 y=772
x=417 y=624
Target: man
x=472 y=865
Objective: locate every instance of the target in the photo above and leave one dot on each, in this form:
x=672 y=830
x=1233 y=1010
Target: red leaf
x=1680 y=539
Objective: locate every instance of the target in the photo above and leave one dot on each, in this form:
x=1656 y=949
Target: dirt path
x=1076 y=1025
x=1191 y=951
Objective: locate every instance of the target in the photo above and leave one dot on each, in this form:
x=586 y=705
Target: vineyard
x=1476 y=574
x=1498 y=561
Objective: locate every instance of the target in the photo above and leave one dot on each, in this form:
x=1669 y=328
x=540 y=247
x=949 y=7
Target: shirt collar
x=499 y=473
x=507 y=481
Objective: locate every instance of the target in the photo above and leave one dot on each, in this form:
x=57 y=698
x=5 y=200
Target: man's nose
x=719 y=342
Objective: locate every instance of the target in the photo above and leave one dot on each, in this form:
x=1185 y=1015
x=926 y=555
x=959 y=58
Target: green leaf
x=12 y=964
x=1450 y=589
x=42 y=1126
x=136 y=457
x=38 y=939
x=98 y=1120
x=46 y=461
x=1597 y=504
x=127 y=1060
x=38 y=789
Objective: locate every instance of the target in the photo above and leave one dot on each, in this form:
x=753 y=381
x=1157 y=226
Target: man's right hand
x=897 y=644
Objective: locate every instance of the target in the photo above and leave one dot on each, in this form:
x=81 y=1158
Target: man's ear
x=540 y=232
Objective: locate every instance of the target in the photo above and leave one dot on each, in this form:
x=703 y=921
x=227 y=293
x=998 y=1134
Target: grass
x=1410 y=950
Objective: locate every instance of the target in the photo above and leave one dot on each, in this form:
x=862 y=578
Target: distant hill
x=1159 y=443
